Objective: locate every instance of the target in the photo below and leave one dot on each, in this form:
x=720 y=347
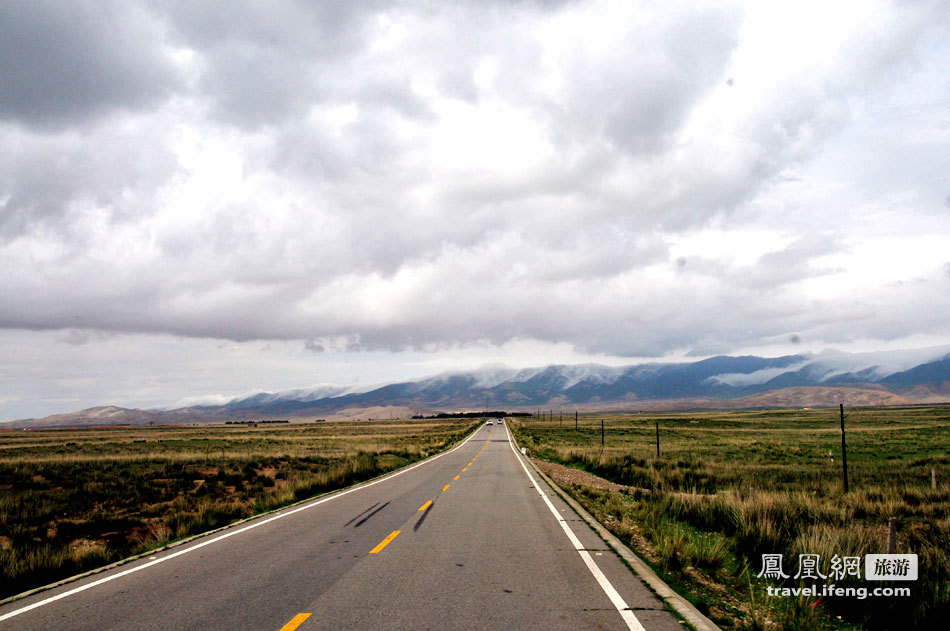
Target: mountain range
x=723 y=382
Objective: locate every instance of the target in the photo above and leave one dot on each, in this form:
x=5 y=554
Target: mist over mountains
x=718 y=379
x=723 y=382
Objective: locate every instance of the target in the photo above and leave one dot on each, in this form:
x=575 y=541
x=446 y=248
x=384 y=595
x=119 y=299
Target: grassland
x=731 y=486
x=72 y=500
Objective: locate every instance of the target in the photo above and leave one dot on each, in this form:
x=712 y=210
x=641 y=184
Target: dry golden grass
x=71 y=500
x=731 y=486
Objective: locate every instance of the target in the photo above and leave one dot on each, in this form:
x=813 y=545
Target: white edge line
x=618 y=602
x=256 y=524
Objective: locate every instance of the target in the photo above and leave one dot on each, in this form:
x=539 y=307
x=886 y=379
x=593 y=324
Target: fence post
x=892 y=535
x=844 y=452
x=575 y=420
x=601 y=432
x=933 y=478
x=657 y=439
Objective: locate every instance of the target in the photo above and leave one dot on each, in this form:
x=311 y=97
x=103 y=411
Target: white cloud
x=619 y=179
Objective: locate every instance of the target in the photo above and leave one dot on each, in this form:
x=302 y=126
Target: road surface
x=471 y=539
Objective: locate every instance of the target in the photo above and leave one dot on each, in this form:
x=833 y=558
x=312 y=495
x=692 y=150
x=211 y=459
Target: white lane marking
x=622 y=608
x=256 y=524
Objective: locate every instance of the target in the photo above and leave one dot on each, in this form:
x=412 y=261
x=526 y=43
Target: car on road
x=489 y=422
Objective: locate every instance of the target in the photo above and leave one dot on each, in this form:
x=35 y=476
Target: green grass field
x=731 y=486
x=73 y=500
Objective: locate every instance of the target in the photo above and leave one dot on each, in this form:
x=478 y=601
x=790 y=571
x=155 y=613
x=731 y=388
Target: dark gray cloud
x=50 y=180
x=264 y=63
x=63 y=63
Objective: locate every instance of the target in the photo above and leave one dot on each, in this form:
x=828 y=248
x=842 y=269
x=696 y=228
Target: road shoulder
x=673 y=600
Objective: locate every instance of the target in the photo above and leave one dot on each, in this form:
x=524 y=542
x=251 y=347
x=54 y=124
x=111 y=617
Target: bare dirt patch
x=569 y=475
x=85 y=546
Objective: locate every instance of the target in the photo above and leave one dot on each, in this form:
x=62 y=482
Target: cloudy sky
x=201 y=200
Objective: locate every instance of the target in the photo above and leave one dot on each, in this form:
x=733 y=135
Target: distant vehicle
x=489 y=422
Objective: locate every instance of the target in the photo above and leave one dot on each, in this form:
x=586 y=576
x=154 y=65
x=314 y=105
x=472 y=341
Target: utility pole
x=601 y=432
x=844 y=452
x=657 y=439
x=575 y=420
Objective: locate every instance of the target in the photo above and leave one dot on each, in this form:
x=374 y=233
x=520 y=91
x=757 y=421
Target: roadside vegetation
x=729 y=487
x=73 y=500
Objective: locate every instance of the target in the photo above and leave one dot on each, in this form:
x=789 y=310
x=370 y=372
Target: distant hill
x=722 y=382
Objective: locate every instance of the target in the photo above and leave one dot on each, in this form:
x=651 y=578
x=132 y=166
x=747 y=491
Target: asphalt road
x=471 y=539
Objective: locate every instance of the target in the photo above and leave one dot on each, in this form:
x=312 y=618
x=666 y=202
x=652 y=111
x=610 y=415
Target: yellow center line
x=446 y=487
x=295 y=622
x=473 y=460
x=456 y=477
x=385 y=542
x=426 y=505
